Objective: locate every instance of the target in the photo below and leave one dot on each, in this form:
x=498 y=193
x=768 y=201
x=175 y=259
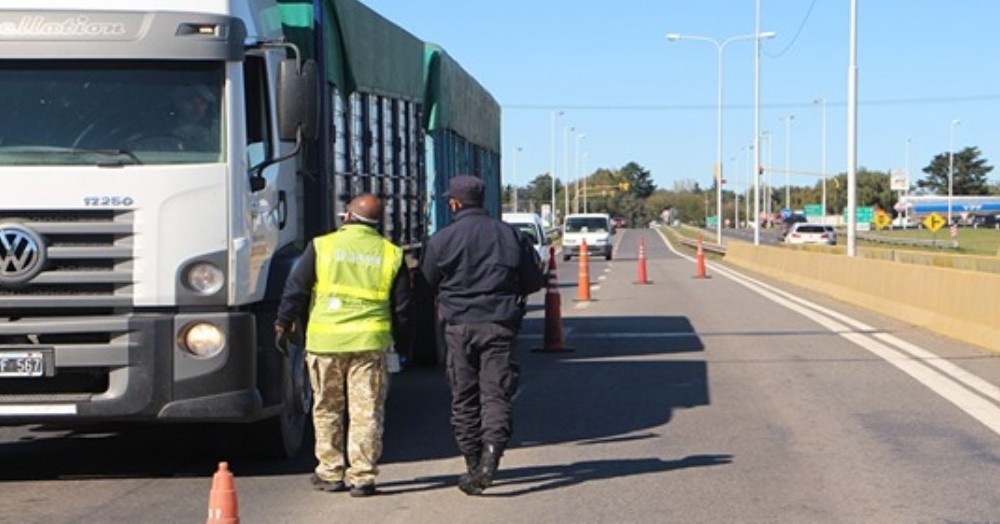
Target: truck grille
x=88 y=260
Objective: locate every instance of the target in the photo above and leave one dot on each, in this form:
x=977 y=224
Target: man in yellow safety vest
x=355 y=286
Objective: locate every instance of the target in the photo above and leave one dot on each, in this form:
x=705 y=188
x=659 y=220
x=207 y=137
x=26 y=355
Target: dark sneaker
x=327 y=485
x=364 y=490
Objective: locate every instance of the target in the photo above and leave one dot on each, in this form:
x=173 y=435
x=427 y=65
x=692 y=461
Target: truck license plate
x=22 y=364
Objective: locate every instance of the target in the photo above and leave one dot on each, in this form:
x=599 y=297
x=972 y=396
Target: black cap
x=466 y=189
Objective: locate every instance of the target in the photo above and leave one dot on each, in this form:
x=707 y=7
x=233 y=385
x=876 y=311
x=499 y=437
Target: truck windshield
x=120 y=112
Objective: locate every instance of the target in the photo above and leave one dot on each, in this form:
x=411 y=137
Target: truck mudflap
x=141 y=373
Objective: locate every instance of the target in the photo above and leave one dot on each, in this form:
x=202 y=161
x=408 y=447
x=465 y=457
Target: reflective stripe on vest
x=355 y=269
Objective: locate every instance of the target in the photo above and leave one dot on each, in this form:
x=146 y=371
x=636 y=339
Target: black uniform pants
x=482 y=375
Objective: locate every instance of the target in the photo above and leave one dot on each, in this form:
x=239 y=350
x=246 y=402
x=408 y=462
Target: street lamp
x=736 y=194
x=951 y=165
x=750 y=172
x=906 y=169
x=822 y=102
x=719 y=47
x=766 y=195
x=516 y=151
x=788 y=138
x=576 y=201
x=552 y=170
x=566 y=131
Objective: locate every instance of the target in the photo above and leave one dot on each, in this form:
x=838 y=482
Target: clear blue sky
x=638 y=97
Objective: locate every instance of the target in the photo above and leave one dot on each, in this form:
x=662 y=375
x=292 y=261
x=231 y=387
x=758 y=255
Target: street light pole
x=751 y=172
x=822 y=101
x=906 y=169
x=755 y=169
x=566 y=131
x=576 y=201
x=765 y=197
x=516 y=151
x=552 y=171
x=951 y=165
x=788 y=139
x=736 y=194
x=717 y=169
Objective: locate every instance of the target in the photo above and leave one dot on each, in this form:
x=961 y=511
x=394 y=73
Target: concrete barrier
x=960 y=304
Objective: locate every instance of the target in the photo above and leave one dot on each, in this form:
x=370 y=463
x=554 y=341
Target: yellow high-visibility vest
x=355 y=268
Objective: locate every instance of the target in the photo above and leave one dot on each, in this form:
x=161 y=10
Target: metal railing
x=899 y=241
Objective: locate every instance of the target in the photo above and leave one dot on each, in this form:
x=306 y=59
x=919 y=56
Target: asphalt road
x=725 y=399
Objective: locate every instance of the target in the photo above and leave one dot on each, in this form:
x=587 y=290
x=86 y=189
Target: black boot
x=468 y=481
x=489 y=461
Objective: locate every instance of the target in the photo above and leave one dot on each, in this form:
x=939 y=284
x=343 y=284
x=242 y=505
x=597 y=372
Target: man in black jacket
x=481 y=271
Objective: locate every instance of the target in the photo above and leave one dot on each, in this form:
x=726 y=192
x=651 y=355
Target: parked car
x=531 y=226
x=808 y=233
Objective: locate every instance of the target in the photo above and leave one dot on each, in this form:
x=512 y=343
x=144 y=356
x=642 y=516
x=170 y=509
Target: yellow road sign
x=933 y=222
x=882 y=220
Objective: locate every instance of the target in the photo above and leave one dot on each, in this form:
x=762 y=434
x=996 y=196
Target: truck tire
x=283 y=435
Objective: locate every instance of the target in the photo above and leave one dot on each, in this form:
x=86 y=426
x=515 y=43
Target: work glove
x=281 y=340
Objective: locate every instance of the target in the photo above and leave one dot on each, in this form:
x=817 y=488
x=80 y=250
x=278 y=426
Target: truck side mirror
x=298 y=99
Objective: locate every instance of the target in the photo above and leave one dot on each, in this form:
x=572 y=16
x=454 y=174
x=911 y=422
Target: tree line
x=630 y=192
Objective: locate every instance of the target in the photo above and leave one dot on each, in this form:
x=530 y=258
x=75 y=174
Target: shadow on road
x=47 y=452
x=511 y=482
x=621 y=382
x=617 y=381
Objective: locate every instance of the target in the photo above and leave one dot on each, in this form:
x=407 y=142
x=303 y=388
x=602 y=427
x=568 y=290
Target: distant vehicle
x=531 y=226
x=618 y=222
x=787 y=223
x=808 y=233
x=595 y=228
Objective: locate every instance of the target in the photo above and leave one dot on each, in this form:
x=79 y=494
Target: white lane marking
x=940 y=376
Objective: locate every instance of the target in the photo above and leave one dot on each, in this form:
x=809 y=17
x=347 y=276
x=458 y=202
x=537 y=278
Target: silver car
x=809 y=233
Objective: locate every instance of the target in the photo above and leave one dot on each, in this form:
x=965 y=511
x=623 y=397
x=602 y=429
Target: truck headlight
x=204 y=278
x=203 y=340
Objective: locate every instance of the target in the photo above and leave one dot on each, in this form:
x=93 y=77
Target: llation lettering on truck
x=164 y=163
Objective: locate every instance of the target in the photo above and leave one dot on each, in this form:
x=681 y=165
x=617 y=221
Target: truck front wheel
x=285 y=433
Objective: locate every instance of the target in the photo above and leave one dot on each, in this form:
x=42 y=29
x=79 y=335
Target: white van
x=595 y=228
x=530 y=225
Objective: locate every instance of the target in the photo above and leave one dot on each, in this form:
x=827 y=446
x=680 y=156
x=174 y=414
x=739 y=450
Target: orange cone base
x=700 y=273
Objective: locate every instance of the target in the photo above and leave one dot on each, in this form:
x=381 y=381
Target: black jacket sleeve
x=298 y=289
x=402 y=306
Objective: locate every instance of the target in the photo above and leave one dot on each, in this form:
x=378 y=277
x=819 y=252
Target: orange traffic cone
x=222 y=504
x=700 y=257
x=583 y=274
x=642 y=262
x=553 y=312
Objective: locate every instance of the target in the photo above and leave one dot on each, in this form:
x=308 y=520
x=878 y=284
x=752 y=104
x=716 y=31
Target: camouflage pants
x=349 y=391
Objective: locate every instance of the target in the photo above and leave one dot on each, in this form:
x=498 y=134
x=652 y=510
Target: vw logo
x=22 y=254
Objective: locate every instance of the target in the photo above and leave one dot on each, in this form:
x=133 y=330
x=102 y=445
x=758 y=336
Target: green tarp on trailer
x=364 y=51
x=456 y=101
